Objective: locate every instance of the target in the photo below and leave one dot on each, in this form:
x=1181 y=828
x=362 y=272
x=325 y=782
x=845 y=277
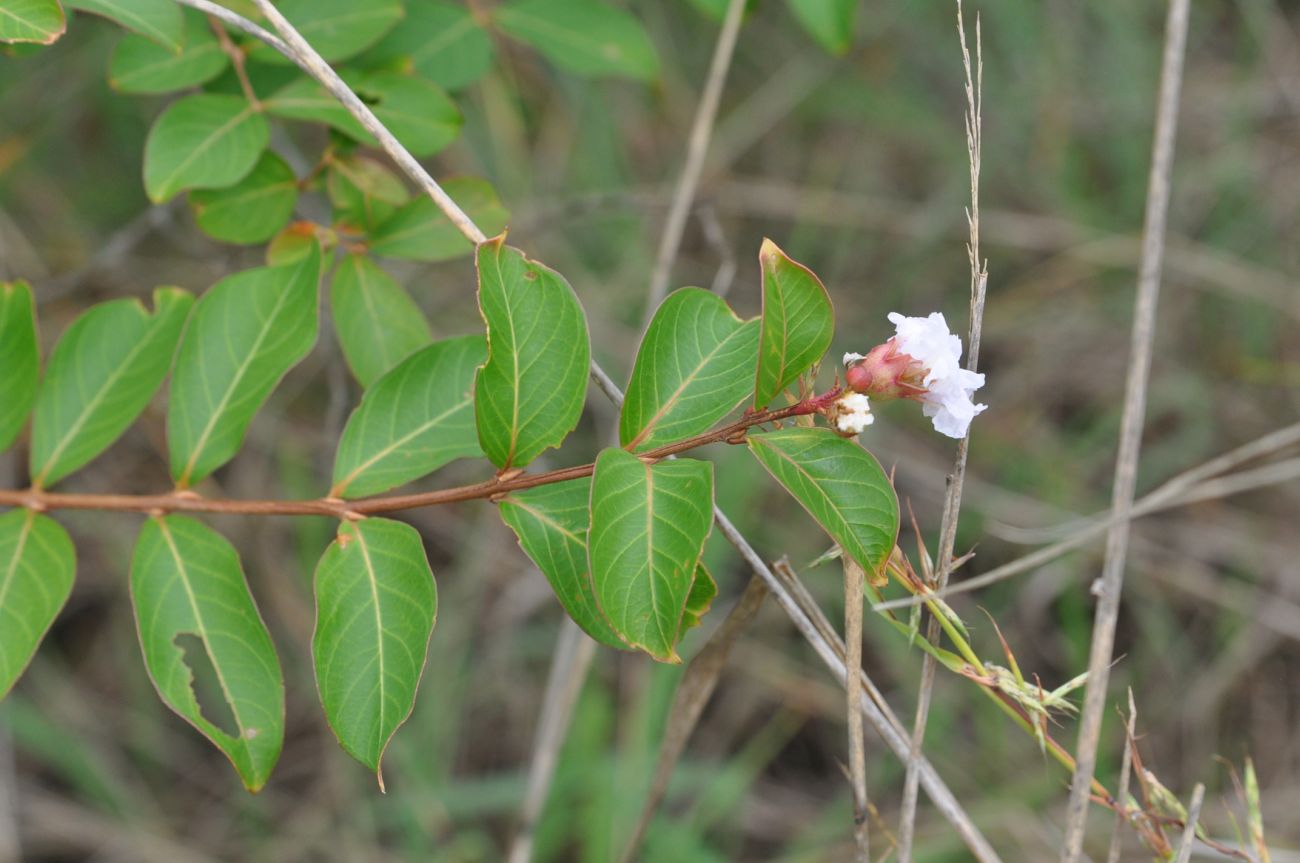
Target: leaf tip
x=769 y=251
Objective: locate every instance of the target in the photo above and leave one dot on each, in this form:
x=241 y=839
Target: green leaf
x=586 y=37
x=19 y=357
x=37 y=567
x=337 y=29
x=202 y=141
x=254 y=209
x=695 y=365
x=440 y=41
x=420 y=232
x=416 y=111
x=648 y=526
x=205 y=646
x=140 y=65
x=841 y=485
x=375 y=607
x=830 y=22
x=413 y=420
x=38 y=21
x=797 y=323
x=102 y=374
x=377 y=323
x=159 y=20
x=698 y=602
x=363 y=191
x=551 y=523
x=529 y=394
x=247 y=331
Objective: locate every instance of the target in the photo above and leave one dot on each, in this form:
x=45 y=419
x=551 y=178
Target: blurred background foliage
x=855 y=162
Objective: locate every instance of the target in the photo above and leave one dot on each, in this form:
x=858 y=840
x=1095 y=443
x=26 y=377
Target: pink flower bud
x=886 y=373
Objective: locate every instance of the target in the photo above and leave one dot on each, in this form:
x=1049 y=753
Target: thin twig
x=853 y=577
x=697 y=147
x=1130 y=438
x=1178 y=491
x=569 y=664
x=1121 y=791
x=885 y=723
x=952 y=505
x=1189 y=831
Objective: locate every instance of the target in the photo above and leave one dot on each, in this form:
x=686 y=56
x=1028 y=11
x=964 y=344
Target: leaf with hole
x=439 y=40
x=586 y=37
x=254 y=209
x=205 y=646
x=377 y=323
x=550 y=522
x=19 y=357
x=141 y=65
x=412 y=421
x=37 y=568
x=159 y=20
x=416 y=111
x=375 y=607
x=797 y=323
x=529 y=394
x=337 y=29
x=648 y=526
x=39 y=21
x=204 y=141
x=419 y=231
x=830 y=22
x=695 y=365
x=841 y=485
x=246 y=332
x=100 y=377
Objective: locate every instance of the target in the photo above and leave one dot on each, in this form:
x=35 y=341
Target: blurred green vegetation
x=857 y=166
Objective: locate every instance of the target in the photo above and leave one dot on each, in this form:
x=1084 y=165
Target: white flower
x=948 y=386
x=850 y=358
x=853 y=413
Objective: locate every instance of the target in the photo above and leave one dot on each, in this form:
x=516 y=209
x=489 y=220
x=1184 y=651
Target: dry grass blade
x=1121 y=792
x=697 y=147
x=952 y=505
x=569 y=665
x=693 y=693
x=1130 y=440
x=853 y=578
x=1189 y=831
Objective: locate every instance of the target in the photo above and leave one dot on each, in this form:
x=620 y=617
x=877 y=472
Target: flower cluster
x=922 y=362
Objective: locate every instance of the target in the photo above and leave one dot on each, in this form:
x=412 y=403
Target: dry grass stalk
x=853 y=600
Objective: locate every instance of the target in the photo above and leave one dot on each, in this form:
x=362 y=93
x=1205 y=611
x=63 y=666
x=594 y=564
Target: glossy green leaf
x=841 y=485
x=416 y=111
x=830 y=22
x=377 y=323
x=586 y=37
x=529 y=394
x=297 y=241
x=101 y=375
x=698 y=602
x=797 y=323
x=337 y=29
x=420 y=232
x=550 y=522
x=375 y=607
x=206 y=141
x=695 y=365
x=246 y=332
x=37 y=567
x=413 y=420
x=439 y=40
x=200 y=630
x=39 y=21
x=159 y=20
x=254 y=209
x=140 y=65
x=363 y=191
x=648 y=526
x=19 y=357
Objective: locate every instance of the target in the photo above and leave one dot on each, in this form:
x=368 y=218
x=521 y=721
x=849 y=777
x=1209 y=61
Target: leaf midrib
x=207 y=144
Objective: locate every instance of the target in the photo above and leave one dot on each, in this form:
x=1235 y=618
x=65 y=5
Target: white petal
x=851 y=357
